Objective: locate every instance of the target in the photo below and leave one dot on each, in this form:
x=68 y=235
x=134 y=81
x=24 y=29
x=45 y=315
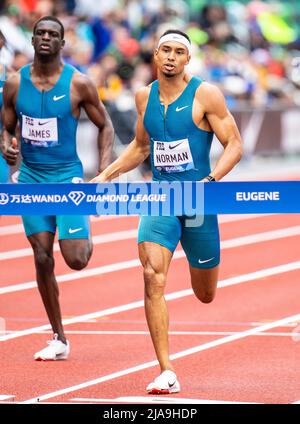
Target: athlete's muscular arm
x=97 y=113
x=224 y=126
x=137 y=151
x=9 y=143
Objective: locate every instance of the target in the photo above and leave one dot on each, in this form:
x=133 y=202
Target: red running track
x=112 y=358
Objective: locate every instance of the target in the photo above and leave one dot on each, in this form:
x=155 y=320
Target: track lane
x=126 y=351
x=11 y=275
x=236 y=262
x=99 y=291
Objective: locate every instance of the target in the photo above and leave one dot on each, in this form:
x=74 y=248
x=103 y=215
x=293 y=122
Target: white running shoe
x=57 y=350
x=164 y=384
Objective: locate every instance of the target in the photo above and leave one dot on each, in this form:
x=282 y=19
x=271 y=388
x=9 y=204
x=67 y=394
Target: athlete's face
x=47 y=40
x=171 y=58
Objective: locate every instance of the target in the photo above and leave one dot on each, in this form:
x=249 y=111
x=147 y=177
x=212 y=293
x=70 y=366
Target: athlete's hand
x=100 y=178
x=208 y=179
x=11 y=153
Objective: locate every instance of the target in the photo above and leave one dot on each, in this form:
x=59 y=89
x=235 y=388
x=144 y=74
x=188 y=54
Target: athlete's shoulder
x=81 y=79
x=141 y=96
x=13 y=81
x=143 y=92
x=209 y=95
x=84 y=87
x=209 y=89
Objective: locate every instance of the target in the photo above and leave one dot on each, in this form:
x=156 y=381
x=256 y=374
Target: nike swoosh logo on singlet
x=44 y=123
x=178 y=109
x=55 y=98
x=176 y=145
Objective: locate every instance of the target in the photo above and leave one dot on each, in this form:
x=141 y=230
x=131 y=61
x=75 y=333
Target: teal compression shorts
x=68 y=226
x=199 y=237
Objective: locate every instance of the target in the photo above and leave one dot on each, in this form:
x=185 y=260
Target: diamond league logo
x=4 y=198
x=76 y=196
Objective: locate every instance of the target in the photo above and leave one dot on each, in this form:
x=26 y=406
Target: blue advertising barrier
x=151 y=198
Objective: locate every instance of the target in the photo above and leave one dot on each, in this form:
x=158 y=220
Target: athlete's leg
x=42 y=245
x=158 y=238
x=204 y=282
x=201 y=244
x=76 y=252
x=74 y=240
x=156 y=260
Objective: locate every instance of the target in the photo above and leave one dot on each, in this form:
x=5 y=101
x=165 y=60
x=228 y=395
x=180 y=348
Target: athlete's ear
x=63 y=42
x=188 y=59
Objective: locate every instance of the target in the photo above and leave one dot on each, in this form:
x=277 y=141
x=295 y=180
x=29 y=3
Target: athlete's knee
x=204 y=292
x=206 y=296
x=153 y=276
x=78 y=258
x=43 y=260
x=204 y=284
x=77 y=262
x=155 y=281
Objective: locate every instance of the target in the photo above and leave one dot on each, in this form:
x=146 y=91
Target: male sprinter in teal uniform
x=178 y=112
x=46 y=96
x=4 y=170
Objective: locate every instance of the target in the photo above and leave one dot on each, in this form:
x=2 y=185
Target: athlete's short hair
x=176 y=31
x=53 y=19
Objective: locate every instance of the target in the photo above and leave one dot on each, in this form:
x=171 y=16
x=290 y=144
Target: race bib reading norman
x=40 y=132
x=173 y=156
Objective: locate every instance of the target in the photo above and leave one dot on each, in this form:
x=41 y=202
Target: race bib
x=40 y=132
x=174 y=156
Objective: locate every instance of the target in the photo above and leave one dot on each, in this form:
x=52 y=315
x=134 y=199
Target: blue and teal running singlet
x=48 y=146
x=179 y=151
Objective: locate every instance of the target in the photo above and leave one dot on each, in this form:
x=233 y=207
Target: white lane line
x=141 y=399
x=171 y=333
x=223 y=219
x=261 y=237
x=131 y=234
x=226 y=244
x=18 y=228
x=100 y=239
x=77 y=275
x=157 y=399
x=99 y=218
x=171 y=296
x=5 y=397
x=11 y=229
x=181 y=354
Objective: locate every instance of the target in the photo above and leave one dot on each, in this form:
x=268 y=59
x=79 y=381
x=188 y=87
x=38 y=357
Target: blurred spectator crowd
x=251 y=49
